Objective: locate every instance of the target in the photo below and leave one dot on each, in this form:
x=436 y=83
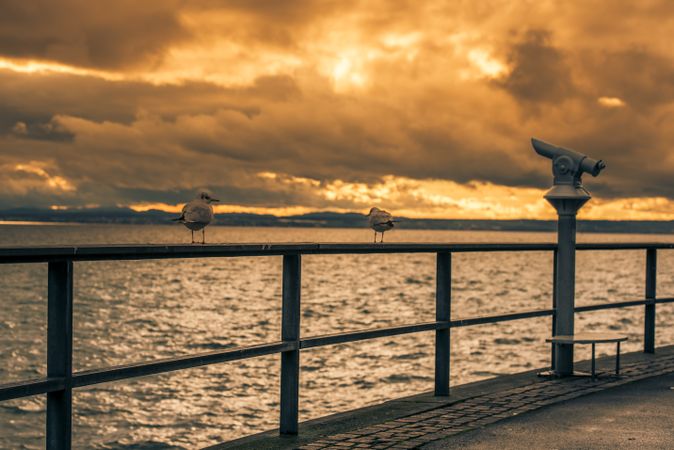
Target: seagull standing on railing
x=380 y=221
x=197 y=214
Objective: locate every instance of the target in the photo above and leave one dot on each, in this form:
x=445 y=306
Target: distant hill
x=327 y=220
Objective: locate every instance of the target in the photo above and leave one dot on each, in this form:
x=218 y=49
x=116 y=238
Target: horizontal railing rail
x=16 y=255
x=61 y=379
x=20 y=389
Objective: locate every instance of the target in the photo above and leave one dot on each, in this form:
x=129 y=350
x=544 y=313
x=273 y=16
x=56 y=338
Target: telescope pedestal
x=567 y=208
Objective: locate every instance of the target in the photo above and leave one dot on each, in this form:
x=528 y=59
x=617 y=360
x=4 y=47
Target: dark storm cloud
x=262 y=195
x=642 y=78
x=49 y=131
x=539 y=71
x=109 y=35
x=274 y=23
x=636 y=150
x=474 y=158
x=37 y=99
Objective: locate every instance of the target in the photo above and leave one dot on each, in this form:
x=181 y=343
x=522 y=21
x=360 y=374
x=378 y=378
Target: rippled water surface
x=143 y=310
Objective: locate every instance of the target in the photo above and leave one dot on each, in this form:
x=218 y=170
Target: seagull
x=380 y=221
x=197 y=214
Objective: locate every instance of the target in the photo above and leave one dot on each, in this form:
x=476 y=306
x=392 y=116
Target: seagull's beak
x=214 y=200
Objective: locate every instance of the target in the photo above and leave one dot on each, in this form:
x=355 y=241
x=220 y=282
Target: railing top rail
x=150 y=251
x=625 y=245
x=155 y=251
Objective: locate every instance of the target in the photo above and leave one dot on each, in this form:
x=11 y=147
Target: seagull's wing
x=381 y=217
x=199 y=212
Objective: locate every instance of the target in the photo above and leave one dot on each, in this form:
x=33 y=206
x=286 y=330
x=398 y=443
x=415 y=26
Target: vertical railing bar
x=290 y=332
x=443 y=312
x=553 y=347
x=60 y=353
x=649 y=312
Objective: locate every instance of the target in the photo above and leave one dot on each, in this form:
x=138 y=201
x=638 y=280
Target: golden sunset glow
x=436 y=199
x=424 y=108
x=611 y=102
x=486 y=64
x=51 y=181
x=222 y=209
x=46 y=68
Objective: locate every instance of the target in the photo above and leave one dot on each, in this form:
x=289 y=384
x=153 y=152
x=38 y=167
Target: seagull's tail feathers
x=179 y=219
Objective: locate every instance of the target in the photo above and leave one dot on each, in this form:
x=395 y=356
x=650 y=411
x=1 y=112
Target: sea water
x=135 y=311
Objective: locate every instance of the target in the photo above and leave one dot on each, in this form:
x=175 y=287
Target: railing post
x=290 y=331
x=60 y=353
x=649 y=318
x=554 y=308
x=443 y=313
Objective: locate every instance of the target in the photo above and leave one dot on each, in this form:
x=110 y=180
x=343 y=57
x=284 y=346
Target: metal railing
x=61 y=380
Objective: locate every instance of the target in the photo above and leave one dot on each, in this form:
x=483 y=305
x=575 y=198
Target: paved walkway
x=442 y=427
x=638 y=415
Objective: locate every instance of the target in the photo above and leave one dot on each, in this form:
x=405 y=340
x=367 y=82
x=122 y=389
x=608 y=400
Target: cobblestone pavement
x=416 y=430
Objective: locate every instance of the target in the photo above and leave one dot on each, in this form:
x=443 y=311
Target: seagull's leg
x=203 y=235
x=192 y=236
x=375 y=237
x=382 y=238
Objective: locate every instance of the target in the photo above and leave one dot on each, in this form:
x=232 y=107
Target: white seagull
x=197 y=214
x=380 y=221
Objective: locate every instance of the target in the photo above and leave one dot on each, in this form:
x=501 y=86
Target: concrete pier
x=637 y=415
x=634 y=410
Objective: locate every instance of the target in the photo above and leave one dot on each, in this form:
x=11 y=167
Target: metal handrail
x=61 y=380
x=15 y=255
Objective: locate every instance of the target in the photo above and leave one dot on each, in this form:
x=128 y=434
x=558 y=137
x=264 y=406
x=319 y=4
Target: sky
x=424 y=108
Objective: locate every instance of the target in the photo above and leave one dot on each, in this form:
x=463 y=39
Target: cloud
x=641 y=77
x=435 y=99
x=611 y=102
x=49 y=131
x=92 y=34
x=54 y=182
x=35 y=183
x=430 y=198
x=539 y=71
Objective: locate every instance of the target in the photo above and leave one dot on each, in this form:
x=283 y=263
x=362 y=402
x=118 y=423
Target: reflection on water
x=137 y=311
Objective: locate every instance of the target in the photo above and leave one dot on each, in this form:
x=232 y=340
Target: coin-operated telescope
x=568 y=167
x=567 y=195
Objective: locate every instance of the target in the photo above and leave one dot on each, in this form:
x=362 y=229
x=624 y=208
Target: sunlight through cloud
x=44 y=67
x=486 y=64
x=611 y=102
x=346 y=75
x=53 y=181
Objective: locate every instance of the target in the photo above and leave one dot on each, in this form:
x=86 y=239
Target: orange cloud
x=425 y=108
x=52 y=181
x=611 y=102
